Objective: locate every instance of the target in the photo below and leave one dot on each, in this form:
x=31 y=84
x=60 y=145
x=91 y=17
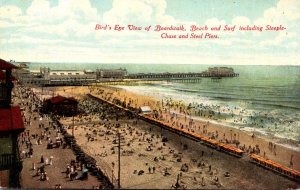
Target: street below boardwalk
x=47 y=161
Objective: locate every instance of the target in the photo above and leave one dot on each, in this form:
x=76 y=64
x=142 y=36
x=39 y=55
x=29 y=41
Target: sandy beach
x=105 y=154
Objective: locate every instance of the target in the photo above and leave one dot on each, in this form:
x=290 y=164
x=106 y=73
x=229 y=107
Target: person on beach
x=51 y=160
x=33 y=166
x=46 y=161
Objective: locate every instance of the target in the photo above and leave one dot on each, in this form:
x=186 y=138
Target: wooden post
x=73 y=127
x=112 y=173
x=73 y=110
x=119 y=160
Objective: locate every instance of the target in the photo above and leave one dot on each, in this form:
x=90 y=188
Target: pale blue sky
x=63 y=31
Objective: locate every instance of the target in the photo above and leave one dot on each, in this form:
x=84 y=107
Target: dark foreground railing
x=7 y=160
x=5 y=94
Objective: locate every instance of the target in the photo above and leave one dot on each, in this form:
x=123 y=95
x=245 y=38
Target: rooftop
x=59 y=99
x=6 y=65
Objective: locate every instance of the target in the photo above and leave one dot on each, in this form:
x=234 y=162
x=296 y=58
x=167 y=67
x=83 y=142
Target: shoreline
x=289 y=143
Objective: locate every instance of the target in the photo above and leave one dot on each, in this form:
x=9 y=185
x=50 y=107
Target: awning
x=11 y=119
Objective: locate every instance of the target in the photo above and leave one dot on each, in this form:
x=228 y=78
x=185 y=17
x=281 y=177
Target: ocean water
x=264 y=99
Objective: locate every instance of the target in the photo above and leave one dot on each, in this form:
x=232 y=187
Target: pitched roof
x=6 y=65
x=59 y=99
x=11 y=119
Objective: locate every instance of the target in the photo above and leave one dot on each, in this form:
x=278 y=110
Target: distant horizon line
x=37 y=62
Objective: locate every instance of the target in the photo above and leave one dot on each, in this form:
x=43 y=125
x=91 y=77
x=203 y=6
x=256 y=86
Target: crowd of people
x=41 y=135
x=145 y=143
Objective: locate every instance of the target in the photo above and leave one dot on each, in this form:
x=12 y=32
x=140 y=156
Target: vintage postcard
x=150 y=94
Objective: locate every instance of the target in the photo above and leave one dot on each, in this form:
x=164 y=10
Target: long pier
x=266 y=163
x=147 y=81
x=166 y=77
x=179 y=75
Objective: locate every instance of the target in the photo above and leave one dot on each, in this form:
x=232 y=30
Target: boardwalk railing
x=7 y=160
x=276 y=167
x=108 y=171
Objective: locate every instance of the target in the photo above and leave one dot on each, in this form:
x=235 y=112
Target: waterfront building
x=48 y=77
x=11 y=125
x=111 y=73
x=67 y=77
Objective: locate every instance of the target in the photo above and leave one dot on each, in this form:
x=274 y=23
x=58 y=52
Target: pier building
x=48 y=77
x=219 y=72
x=111 y=73
x=67 y=77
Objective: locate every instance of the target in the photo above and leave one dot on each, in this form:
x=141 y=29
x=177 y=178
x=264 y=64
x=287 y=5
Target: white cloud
x=293 y=45
x=6 y=24
x=15 y=39
x=279 y=39
x=8 y=12
x=241 y=21
x=138 y=12
x=285 y=11
x=66 y=18
x=81 y=10
x=214 y=22
x=289 y=8
x=128 y=11
x=39 y=9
